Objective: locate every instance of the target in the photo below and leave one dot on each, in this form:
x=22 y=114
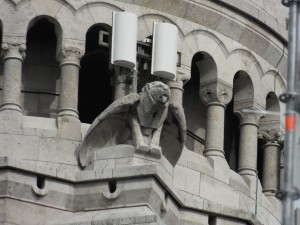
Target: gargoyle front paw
x=155 y=150
x=142 y=147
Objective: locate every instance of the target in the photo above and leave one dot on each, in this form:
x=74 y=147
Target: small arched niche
x=95 y=89
x=270 y=124
x=243 y=91
x=41 y=71
x=203 y=69
x=243 y=97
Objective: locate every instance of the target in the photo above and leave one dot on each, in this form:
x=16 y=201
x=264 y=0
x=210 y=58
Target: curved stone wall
x=242 y=56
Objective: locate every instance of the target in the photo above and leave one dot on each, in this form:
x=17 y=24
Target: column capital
x=216 y=91
x=70 y=55
x=249 y=118
x=271 y=135
x=13 y=50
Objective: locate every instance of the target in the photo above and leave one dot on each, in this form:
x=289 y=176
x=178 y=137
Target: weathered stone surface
x=40 y=179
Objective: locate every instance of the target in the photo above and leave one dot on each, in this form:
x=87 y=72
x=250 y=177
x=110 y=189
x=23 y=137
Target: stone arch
x=272 y=81
x=194 y=108
x=86 y=16
x=204 y=41
x=145 y=25
x=41 y=71
x=57 y=25
x=242 y=60
x=243 y=91
x=95 y=90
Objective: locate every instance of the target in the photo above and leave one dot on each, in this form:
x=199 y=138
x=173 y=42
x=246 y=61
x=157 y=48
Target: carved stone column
x=271 y=160
x=247 y=165
x=122 y=83
x=271 y=164
x=13 y=55
x=67 y=118
x=216 y=95
x=281 y=168
x=176 y=87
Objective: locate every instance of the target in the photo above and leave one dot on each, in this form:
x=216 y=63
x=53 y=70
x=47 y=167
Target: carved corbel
x=216 y=91
x=252 y=117
x=13 y=50
x=70 y=55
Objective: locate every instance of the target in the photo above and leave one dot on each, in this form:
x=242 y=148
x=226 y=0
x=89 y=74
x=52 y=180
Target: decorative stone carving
x=249 y=116
x=216 y=91
x=272 y=135
x=70 y=55
x=144 y=120
x=13 y=50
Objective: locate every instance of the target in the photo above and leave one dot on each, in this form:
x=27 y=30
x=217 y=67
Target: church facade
x=218 y=159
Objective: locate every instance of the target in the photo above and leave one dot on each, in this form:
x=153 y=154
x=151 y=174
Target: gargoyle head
x=157 y=92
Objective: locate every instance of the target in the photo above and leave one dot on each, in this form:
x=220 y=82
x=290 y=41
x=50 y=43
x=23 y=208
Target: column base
x=11 y=121
x=213 y=152
x=245 y=171
x=220 y=167
x=69 y=125
x=11 y=107
x=269 y=191
x=68 y=112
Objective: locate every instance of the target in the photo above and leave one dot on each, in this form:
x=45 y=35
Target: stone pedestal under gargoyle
x=143 y=124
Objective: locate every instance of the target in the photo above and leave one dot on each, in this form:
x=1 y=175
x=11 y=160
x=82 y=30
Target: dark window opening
x=260 y=143
x=194 y=108
x=112 y=186
x=40 y=182
x=95 y=90
x=41 y=71
x=212 y=220
x=231 y=137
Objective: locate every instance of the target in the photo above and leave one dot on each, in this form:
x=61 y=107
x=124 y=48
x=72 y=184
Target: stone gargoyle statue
x=146 y=120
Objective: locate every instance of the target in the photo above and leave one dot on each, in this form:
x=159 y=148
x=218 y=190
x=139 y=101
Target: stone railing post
x=13 y=55
x=247 y=164
x=176 y=87
x=215 y=95
x=122 y=81
x=69 y=126
x=271 y=162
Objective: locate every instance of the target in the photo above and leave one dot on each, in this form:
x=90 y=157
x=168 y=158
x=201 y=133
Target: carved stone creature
x=146 y=120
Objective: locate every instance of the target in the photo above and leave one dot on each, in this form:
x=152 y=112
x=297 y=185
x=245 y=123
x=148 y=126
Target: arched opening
x=41 y=70
x=270 y=124
x=231 y=137
x=203 y=69
x=243 y=95
x=95 y=89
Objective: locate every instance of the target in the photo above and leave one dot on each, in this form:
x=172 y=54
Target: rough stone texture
x=242 y=53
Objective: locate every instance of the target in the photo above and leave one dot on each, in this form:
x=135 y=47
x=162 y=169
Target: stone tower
x=56 y=78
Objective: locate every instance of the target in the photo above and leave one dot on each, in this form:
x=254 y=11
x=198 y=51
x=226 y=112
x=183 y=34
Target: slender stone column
x=176 y=87
x=271 y=163
x=68 y=97
x=248 y=142
x=281 y=168
x=13 y=55
x=69 y=126
x=216 y=95
x=122 y=84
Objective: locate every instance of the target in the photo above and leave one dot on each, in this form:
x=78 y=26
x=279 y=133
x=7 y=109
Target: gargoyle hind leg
x=155 y=149
x=137 y=136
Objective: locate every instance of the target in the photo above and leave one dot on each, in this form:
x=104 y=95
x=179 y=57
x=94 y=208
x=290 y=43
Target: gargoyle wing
x=107 y=127
x=173 y=133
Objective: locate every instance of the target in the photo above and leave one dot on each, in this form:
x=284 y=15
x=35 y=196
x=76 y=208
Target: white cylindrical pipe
x=124 y=39
x=164 y=50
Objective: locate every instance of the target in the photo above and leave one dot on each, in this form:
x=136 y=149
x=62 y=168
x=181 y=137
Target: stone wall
x=233 y=53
